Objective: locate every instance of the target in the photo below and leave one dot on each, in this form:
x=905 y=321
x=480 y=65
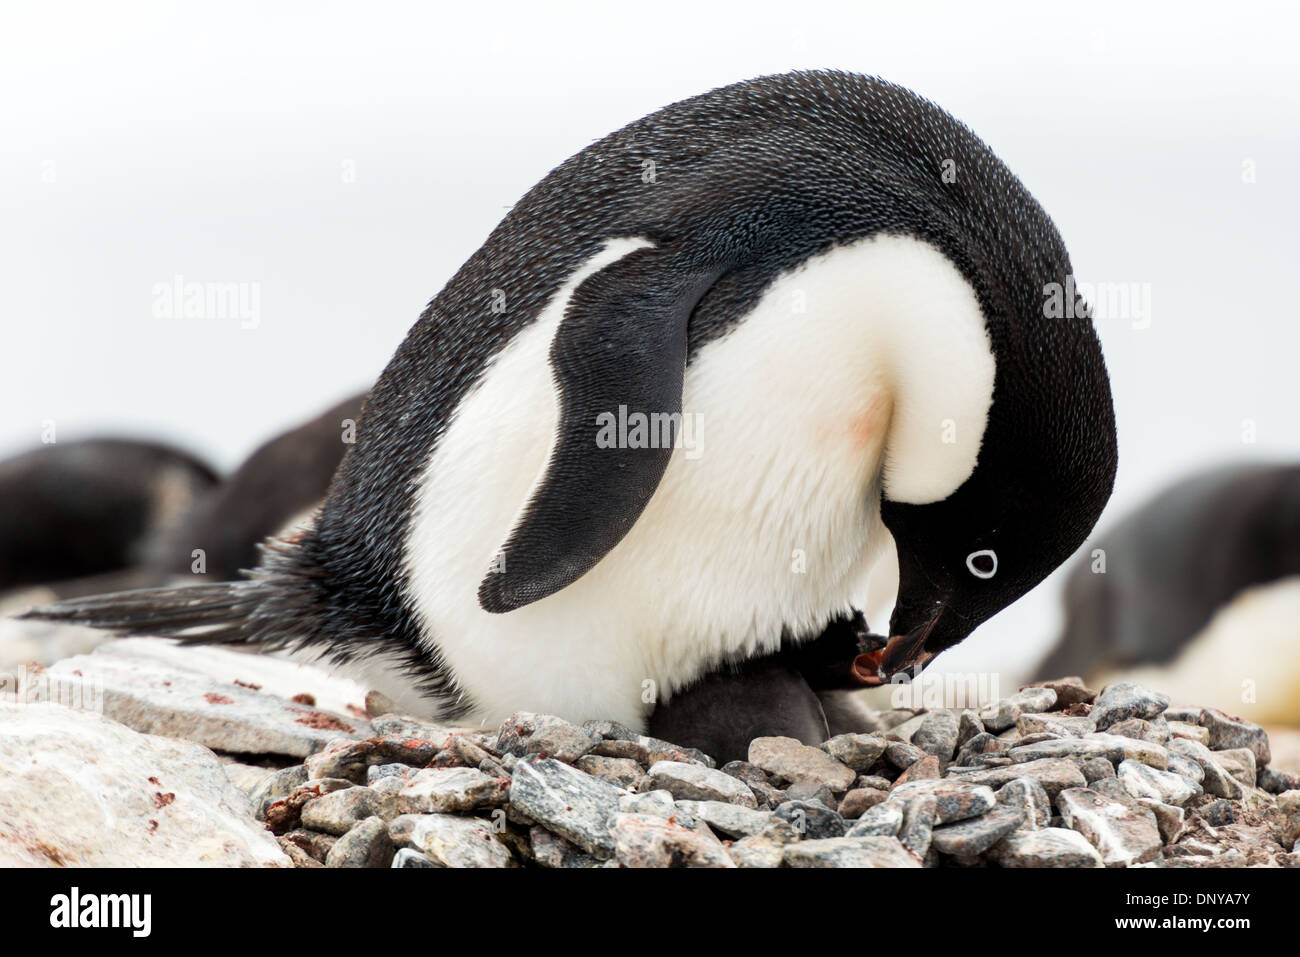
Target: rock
x=1045 y=847
x=620 y=748
x=1184 y=766
x=1114 y=789
x=366 y=845
x=1169 y=819
x=859 y=800
x=1067 y=747
x=694 y=782
x=279 y=784
x=982 y=743
x=1288 y=802
x=883 y=820
x=1122 y=835
x=1094 y=769
x=645 y=841
x=919 y=815
x=620 y=772
x=1142 y=781
x=444 y=790
x=811 y=820
x=314 y=843
x=285 y=814
x=523 y=734
x=1126 y=699
x=574 y=805
x=169 y=700
x=788 y=761
x=955 y=799
x=248 y=778
x=1157 y=731
x=730 y=820
x=297 y=855
x=968 y=725
x=850 y=852
x=757 y=851
x=937 y=735
x=1069 y=691
x=450 y=840
x=405 y=857
x=1054 y=774
x=1033 y=700
x=926 y=769
x=656 y=803
x=857 y=751
x=609 y=730
x=1227 y=732
x=1216 y=780
x=1028 y=795
x=974 y=836
x=657 y=750
x=1239 y=762
x=1053 y=722
x=551 y=850
x=1275 y=782
x=903 y=755
x=79 y=790
x=810 y=791
x=1194 y=732
x=339 y=811
x=1134 y=749
x=1217 y=812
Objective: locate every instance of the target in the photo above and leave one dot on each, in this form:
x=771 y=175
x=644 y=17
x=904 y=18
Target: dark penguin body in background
x=1175 y=562
x=284 y=479
x=74 y=511
x=840 y=338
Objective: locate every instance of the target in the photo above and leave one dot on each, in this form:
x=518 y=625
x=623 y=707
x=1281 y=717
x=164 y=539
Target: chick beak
x=901 y=653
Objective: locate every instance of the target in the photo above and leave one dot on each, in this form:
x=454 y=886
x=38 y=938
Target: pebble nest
x=1055 y=775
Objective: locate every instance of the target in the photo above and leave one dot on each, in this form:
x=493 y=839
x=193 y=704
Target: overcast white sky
x=344 y=159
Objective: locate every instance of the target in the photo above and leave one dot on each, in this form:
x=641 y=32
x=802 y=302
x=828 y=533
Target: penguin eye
x=983 y=564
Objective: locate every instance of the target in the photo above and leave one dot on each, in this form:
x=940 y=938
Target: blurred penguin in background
x=1196 y=593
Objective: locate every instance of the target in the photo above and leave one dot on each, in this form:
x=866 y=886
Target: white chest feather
x=866 y=367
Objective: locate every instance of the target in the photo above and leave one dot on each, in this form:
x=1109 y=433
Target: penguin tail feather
x=219 y=613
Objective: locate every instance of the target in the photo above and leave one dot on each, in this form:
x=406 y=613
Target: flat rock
x=789 y=760
x=80 y=790
x=524 y=733
x=1054 y=774
x=1126 y=699
x=694 y=782
x=955 y=799
x=1227 y=732
x=450 y=840
x=1239 y=762
x=1143 y=781
x=1067 y=747
x=918 y=824
x=1045 y=847
x=938 y=735
x=974 y=836
x=338 y=811
x=620 y=772
x=646 y=841
x=1121 y=834
x=811 y=819
x=858 y=801
x=857 y=751
x=883 y=820
x=1069 y=691
x=166 y=699
x=731 y=820
x=574 y=805
x=1134 y=749
x=868 y=851
x=445 y=790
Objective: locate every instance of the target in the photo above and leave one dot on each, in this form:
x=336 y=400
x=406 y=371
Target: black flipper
x=622 y=344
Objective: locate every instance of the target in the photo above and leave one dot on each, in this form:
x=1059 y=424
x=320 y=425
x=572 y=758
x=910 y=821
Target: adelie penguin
x=1196 y=592
x=825 y=297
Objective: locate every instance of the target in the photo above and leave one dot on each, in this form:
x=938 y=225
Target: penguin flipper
x=620 y=352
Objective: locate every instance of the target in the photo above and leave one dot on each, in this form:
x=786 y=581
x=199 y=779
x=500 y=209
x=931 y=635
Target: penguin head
x=1044 y=472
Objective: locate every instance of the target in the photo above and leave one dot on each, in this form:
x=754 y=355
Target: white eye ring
x=982 y=553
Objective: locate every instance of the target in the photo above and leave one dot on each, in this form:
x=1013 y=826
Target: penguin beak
x=901 y=653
